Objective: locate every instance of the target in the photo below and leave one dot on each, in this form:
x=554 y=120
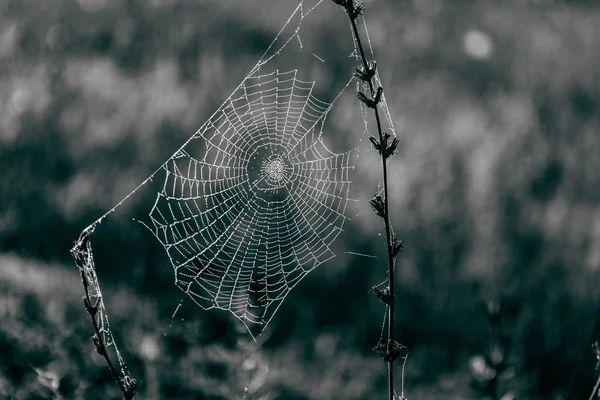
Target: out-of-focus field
x=495 y=193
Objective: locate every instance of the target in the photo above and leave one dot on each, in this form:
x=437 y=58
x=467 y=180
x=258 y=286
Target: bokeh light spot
x=477 y=44
x=149 y=348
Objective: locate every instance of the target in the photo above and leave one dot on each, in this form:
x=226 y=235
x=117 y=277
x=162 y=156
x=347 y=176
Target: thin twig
x=80 y=252
x=98 y=341
x=386 y=219
x=595 y=388
x=367 y=75
x=596 y=349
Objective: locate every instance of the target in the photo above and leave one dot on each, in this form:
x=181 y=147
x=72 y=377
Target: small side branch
x=82 y=253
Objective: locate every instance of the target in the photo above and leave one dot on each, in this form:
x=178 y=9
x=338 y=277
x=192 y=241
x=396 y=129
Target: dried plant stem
x=595 y=388
x=80 y=252
x=101 y=348
x=353 y=12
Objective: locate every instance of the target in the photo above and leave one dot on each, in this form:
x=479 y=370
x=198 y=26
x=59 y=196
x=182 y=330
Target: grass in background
x=499 y=168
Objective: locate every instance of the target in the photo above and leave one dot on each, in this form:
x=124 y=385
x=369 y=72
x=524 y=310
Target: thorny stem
x=81 y=249
x=386 y=216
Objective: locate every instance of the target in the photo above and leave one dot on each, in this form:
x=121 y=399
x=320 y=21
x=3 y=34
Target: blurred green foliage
x=495 y=195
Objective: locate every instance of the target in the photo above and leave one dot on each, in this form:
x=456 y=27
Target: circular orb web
x=259 y=209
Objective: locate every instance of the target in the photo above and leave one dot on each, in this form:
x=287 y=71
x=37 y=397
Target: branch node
x=396 y=350
x=391 y=149
x=91 y=309
x=130 y=386
x=100 y=349
x=383 y=295
x=380 y=146
x=368 y=74
x=396 y=246
x=368 y=102
x=353 y=10
x=383 y=148
x=378 y=206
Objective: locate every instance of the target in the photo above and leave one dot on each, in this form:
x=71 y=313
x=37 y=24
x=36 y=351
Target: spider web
x=253 y=202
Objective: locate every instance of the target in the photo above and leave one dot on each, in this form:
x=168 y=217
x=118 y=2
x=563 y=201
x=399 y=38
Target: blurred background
x=495 y=193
